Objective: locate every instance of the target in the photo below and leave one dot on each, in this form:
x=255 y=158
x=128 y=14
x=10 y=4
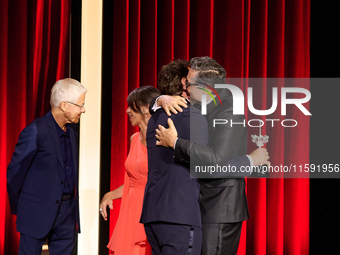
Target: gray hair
x=207 y=68
x=66 y=90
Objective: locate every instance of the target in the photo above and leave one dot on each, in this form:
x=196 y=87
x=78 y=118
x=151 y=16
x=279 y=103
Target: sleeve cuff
x=251 y=160
x=175 y=143
x=155 y=107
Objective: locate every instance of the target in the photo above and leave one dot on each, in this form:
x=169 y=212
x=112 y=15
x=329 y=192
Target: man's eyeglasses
x=193 y=84
x=80 y=106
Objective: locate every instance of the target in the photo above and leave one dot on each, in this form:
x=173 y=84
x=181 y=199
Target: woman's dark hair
x=170 y=76
x=141 y=96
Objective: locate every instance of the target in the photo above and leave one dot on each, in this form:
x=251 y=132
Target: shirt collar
x=60 y=131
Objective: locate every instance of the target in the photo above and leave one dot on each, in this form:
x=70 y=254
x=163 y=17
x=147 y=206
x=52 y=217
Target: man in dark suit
x=171 y=213
x=223 y=202
x=42 y=177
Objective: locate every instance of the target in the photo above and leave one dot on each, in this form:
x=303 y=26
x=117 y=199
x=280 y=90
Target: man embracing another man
x=223 y=201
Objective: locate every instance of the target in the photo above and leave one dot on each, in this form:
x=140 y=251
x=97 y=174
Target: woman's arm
x=108 y=198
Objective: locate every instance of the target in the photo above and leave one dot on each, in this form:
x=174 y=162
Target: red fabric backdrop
x=256 y=38
x=34 y=53
x=250 y=38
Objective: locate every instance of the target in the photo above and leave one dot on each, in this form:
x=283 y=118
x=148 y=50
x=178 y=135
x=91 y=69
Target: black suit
x=171 y=196
x=35 y=184
x=221 y=200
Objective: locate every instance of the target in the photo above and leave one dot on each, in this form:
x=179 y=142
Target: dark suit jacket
x=221 y=200
x=170 y=194
x=35 y=177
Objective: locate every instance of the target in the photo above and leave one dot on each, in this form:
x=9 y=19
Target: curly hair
x=141 y=96
x=170 y=76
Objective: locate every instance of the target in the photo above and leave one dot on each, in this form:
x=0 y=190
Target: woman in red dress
x=128 y=237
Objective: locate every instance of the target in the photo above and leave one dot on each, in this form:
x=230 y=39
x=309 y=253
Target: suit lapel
x=74 y=156
x=54 y=136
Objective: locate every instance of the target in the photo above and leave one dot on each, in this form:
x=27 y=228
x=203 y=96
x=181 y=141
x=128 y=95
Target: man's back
x=170 y=194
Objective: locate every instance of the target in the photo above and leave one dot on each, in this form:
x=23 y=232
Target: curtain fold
x=34 y=53
x=250 y=38
x=3 y=116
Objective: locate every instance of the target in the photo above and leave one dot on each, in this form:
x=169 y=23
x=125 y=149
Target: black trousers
x=61 y=238
x=169 y=239
x=221 y=239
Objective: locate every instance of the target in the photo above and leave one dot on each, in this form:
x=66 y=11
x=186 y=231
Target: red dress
x=128 y=237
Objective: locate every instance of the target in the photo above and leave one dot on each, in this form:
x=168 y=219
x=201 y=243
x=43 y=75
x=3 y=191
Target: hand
x=260 y=157
x=106 y=202
x=108 y=198
x=172 y=104
x=166 y=136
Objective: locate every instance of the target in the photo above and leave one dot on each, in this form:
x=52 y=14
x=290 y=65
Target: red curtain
x=34 y=53
x=250 y=38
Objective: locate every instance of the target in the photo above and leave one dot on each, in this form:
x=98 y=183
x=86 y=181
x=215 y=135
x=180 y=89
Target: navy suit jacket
x=35 y=177
x=170 y=194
